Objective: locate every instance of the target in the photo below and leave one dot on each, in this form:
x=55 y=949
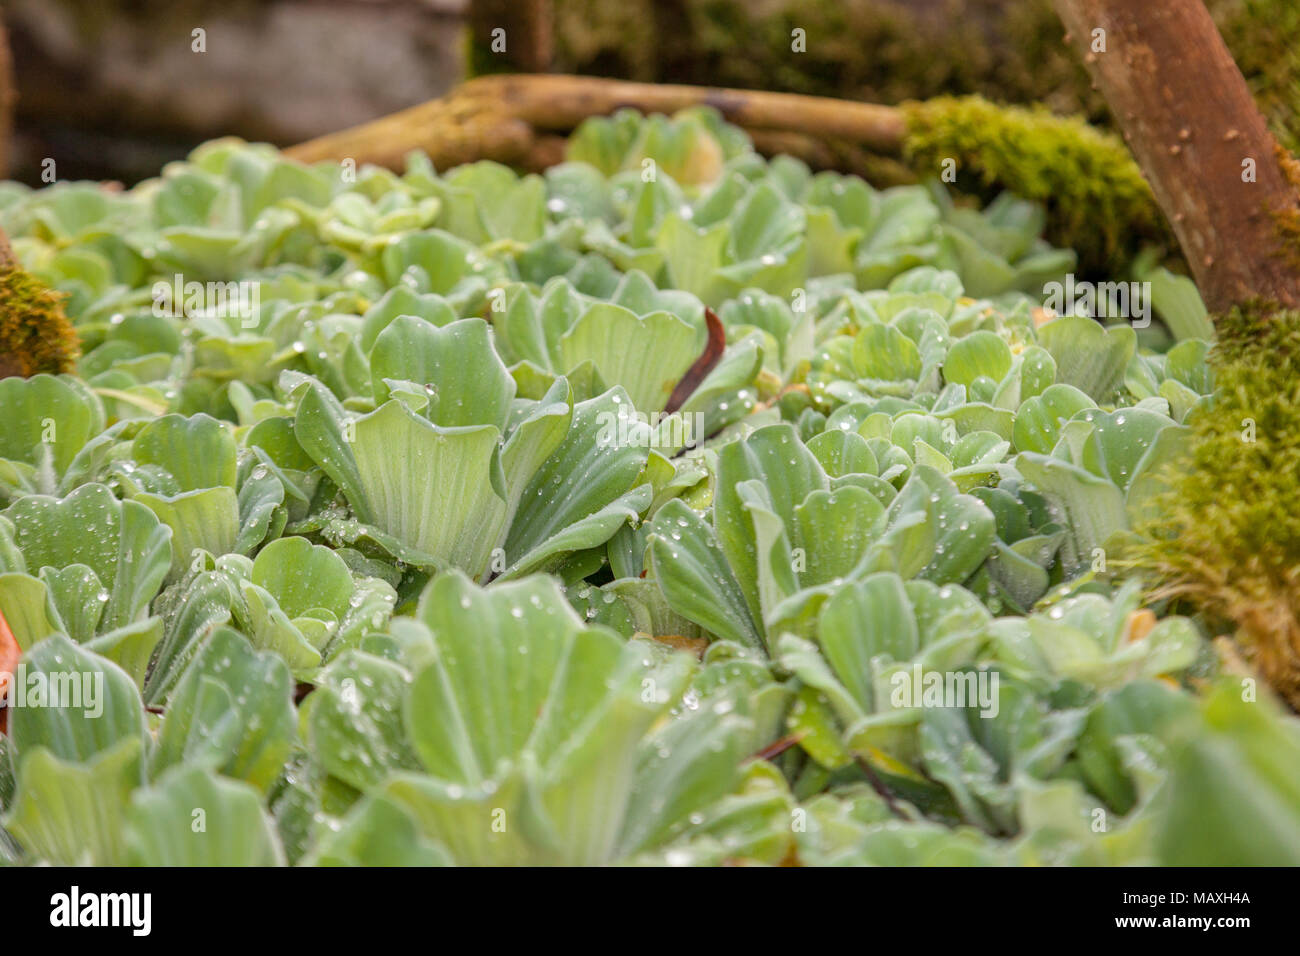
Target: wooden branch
x=1190 y=120
x=562 y=102
x=502 y=117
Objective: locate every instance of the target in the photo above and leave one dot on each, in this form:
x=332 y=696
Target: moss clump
x=35 y=334
x=1096 y=199
x=1227 y=538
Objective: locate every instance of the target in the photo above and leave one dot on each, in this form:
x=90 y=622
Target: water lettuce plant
x=673 y=507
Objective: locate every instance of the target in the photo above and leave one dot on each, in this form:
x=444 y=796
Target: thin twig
x=777 y=747
x=878 y=785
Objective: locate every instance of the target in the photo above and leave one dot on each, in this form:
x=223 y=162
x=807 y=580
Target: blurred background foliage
x=114 y=89
x=887 y=51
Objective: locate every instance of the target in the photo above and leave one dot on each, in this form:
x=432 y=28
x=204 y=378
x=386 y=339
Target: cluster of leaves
x=420 y=554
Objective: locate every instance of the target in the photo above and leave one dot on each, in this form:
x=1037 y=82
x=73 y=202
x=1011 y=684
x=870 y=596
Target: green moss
x=35 y=334
x=1227 y=538
x=1096 y=199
